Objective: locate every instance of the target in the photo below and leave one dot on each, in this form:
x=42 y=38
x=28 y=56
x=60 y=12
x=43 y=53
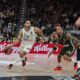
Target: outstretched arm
x=39 y=32
x=72 y=37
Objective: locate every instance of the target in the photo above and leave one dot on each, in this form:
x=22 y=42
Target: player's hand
x=7 y=50
x=7 y=47
x=43 y=39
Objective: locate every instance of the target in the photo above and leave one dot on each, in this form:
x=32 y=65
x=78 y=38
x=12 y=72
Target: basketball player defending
x=68 y=41
x=27 y=36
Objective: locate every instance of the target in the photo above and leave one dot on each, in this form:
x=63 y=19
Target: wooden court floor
x=37 y=65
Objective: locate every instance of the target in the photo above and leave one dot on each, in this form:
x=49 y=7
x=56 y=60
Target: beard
x=27 y=28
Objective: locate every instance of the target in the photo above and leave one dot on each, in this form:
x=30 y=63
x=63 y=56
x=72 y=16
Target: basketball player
x=67 y=40
x=77 y=58
x=27 y=37
x=77 y=64
x=77 y=25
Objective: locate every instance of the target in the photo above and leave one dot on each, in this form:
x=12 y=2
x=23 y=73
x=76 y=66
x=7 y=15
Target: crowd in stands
x=8 y=19
x=42 y=13
x=46 y=13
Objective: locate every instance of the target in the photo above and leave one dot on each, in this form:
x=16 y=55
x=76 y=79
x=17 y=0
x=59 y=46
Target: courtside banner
x=37 y=48
x=45 y=48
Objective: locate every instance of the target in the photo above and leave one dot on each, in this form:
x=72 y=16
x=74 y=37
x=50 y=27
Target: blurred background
x=42 y=13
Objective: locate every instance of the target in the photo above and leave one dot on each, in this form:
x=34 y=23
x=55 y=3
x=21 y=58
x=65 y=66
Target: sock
x=18 y=60
x=78 y=64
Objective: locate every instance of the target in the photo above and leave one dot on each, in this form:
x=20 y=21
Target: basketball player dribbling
x=27 y=36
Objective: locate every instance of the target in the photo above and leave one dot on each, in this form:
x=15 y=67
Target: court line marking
x=19 y=63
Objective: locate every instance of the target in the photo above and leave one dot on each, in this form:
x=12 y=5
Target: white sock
x=78 y=64
x=18 y=60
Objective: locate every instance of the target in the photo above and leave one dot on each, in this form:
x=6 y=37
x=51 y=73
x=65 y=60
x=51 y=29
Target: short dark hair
x=58 y=25
x=26 y=19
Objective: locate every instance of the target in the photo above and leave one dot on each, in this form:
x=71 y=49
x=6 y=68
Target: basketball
x=7 y=50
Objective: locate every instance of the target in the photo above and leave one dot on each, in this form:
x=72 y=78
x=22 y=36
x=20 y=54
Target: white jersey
x=28 y=37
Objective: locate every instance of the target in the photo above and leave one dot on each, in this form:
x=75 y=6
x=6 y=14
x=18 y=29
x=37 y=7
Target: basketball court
x=37 y=65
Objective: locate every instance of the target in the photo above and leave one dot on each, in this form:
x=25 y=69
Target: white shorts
x=26 y=48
